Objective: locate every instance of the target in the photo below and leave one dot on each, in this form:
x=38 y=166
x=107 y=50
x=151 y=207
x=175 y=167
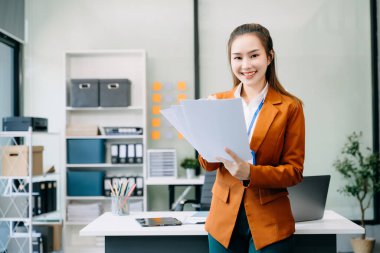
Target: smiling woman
x=276 y=132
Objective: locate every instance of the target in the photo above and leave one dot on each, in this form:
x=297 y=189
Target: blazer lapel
x=265 y=119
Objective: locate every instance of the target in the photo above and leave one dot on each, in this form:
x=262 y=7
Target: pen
x=123 y=188
x=129 y=194
x=116 y=190
x=113 y=192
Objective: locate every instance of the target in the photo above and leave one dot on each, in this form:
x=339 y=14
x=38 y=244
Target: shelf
x=77 y=223
x=36 y=178
x=118 y=137
x=110 y=52
x=46 y=133
x=129 y=108
x=46 y=177
x=14 y=134
x=175 y=181
x=24 y=235
x=99 y=198
x=13 y=177
x=15 y=219
x=18 y=194
x=104 y=165
x=108 y=64
x=52 y=218
x=44 y=223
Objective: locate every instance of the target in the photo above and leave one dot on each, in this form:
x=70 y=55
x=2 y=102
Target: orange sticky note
x=180 y=136
x=156 y=109
x=156 y=98
x=156 y=122
x=155 y=135
x=157 y=86
x=181 y=85
x=181 y=97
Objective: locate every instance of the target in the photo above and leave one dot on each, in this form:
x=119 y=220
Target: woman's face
x=249 y=60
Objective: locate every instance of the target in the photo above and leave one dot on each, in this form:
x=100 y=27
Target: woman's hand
x=237 y=167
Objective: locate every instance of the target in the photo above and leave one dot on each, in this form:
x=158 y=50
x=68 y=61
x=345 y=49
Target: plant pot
x=360 y=245
x=190 y=173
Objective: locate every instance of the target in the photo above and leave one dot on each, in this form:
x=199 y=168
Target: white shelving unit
x=120 y=64
x=16 y=197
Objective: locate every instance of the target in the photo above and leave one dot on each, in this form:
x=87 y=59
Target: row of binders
x=44 y=197
x=138 y=180
x=127 y=153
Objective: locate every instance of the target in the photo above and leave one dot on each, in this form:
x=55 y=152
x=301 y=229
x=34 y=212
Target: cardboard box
x=15 y=160
x=82 y=130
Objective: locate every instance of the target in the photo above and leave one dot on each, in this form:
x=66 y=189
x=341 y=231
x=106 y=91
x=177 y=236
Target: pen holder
x=120 y=205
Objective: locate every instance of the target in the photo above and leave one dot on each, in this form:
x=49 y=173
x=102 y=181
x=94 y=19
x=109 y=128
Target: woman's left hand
x=237 y=167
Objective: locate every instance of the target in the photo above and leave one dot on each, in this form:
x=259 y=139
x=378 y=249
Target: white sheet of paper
x=216 y=124
x=175 y=116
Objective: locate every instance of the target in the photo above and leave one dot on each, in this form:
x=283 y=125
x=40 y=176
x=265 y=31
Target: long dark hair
x=266 y=40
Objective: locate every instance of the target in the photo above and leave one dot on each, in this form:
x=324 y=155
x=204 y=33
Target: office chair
x=206 y=195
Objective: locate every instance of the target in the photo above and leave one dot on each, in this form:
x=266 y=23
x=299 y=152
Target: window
x=9 y=77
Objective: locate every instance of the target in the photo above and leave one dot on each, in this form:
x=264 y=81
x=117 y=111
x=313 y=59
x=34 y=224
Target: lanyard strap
x=255 y=116
x=250 y=128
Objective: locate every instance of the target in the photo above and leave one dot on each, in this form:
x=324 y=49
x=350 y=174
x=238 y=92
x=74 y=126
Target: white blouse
x=250 y=108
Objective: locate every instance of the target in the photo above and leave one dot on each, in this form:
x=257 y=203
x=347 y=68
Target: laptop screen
x=308 y=198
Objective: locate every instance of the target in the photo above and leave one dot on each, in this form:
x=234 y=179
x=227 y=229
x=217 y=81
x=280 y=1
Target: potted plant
x=190 y=165
x=361 y=173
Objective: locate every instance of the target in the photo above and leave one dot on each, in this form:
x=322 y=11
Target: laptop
x=308 y=198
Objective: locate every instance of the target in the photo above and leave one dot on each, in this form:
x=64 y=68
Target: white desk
x=124 y=233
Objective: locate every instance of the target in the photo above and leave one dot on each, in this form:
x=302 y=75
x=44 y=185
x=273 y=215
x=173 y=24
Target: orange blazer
x=279 y=143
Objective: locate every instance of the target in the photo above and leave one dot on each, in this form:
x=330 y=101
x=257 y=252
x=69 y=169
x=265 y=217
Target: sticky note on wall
x=155 y=135
x=181 y=97
x=157 y=86
x=156 y=98
x=156 y=109
x=181 y=85
x=156 y=122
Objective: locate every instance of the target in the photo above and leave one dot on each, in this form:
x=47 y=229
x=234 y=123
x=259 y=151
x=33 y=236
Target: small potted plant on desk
x=362 y=175
x=190 y=165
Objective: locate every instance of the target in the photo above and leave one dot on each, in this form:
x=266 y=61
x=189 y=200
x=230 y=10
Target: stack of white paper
x=83 y=212
x=211 y=125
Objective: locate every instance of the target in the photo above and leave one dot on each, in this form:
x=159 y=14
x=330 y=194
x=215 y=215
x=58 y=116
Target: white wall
x=323 y=57
x=164 y=29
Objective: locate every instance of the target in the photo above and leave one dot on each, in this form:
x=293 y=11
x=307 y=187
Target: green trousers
x=241 y=240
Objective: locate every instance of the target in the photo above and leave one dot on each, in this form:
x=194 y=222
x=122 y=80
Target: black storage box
x=19 y=123
x=115 y=93
x=84 y=93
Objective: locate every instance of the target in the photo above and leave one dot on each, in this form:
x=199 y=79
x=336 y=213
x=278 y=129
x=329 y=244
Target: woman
x=250 y=210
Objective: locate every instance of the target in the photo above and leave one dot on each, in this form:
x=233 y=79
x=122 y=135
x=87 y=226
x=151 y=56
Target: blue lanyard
x=250 y=128
x=255 y=116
